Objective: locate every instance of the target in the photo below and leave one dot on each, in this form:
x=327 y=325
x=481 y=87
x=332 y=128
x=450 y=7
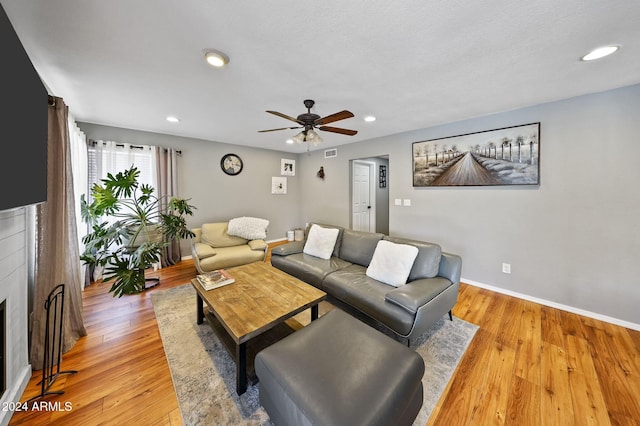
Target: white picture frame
x=278 y=185
x=287 y=167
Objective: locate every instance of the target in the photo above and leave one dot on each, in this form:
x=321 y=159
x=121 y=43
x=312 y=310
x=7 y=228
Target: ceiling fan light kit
x=310 y=122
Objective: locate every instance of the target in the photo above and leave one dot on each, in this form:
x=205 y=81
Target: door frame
x=372 y=192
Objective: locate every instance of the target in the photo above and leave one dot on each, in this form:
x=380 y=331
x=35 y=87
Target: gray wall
x=217 y=196
x=573 y=240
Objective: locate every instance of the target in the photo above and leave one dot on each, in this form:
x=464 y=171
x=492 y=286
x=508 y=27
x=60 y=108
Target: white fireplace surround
x=13 y=288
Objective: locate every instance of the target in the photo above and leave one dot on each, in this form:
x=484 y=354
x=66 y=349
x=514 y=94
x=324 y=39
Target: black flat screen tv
x=23 y=124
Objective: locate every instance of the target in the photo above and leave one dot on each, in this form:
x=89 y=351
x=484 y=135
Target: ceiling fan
x=310 y=121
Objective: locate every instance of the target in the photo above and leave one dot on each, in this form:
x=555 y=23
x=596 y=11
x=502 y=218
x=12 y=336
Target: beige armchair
x=213 y=248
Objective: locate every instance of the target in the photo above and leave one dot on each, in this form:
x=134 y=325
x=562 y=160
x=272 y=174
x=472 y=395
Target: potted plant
x=134 y=242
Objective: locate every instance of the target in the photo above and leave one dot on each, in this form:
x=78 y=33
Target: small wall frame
x=287 y=167
x=278 y=185
x=382 y=176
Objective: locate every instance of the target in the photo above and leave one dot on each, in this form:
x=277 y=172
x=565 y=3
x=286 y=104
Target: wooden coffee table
x=250 y=314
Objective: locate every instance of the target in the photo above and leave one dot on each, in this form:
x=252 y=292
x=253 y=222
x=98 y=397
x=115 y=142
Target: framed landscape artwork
x=507 y=156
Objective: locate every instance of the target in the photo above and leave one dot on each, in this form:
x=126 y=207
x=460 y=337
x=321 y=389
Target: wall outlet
x=398 y=202
x=406 y=202
x=506 y=268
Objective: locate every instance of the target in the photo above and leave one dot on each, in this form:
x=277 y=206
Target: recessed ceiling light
x=289 y=141
x=215 y=58
x=600 y=52
x=369 y=118
x=172 y=119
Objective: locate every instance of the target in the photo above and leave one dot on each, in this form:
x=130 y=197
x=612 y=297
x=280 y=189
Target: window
x=112 y=157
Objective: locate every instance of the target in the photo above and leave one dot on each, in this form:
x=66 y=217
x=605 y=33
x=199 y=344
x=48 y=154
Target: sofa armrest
x=450 y=267
x=289 y=248
x=258 y=244
x=415 y=294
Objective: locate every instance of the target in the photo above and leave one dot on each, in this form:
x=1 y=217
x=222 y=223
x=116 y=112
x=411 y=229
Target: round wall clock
x=231 y=164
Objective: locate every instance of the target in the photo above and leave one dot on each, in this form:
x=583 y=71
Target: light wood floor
x=527 y=365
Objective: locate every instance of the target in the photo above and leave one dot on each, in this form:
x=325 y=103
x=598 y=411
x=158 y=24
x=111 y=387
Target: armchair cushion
x=204 y=250
x=215 y=234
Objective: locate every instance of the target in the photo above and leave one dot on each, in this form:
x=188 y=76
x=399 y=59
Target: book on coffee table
x=215 y=279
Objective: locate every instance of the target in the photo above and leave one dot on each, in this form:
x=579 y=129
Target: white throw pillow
x=391 y=263
x=320 y=241
x=250 y=228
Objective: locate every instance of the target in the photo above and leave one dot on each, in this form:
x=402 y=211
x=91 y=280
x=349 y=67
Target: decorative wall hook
x=320 y=173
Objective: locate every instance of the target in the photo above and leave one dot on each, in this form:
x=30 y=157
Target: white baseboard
x=560 y=306
x=13 y=394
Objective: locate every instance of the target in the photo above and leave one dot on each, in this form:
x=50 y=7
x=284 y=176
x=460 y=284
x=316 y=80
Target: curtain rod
x=94 y=143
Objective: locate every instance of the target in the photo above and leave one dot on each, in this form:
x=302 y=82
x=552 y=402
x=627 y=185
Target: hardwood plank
x=619 y=394
x=477 y=307
x=588 y=403
x=508 y=332
x=527 y=362
x=523 y=406
x=555 y=391
x=495 y=389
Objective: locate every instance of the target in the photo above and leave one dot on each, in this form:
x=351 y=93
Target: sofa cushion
x=251 y=228
x=288 y=248
x=427 y=262
x=204 y=250
x=320 y=242
x=309 y=269
x=392 y=262
x=351 y=286
x=216 y=235
x=358 y=247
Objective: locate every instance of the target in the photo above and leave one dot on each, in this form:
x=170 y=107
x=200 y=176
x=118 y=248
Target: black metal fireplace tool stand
x=54 y=305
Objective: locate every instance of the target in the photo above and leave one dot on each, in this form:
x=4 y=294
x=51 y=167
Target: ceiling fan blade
x=338 y=130
x=334 y=117
x=279 y=114
x=281 y=128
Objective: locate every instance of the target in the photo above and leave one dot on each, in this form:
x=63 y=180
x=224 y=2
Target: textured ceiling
x=412 y=64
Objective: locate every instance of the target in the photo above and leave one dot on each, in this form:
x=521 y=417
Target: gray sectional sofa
x=408 y=310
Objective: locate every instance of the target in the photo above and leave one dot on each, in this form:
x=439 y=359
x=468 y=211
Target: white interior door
x=362 y=203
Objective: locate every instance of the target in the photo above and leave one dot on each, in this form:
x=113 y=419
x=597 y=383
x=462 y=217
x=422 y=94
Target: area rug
x=203 y=373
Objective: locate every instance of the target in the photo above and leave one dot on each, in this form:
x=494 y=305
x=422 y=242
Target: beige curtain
x=57 y=258
x=167 y=187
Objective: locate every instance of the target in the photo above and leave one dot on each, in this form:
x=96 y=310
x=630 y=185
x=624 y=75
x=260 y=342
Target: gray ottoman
x=340 y=371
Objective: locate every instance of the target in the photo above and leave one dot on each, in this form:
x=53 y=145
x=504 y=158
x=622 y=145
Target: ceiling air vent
x=330 y=153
